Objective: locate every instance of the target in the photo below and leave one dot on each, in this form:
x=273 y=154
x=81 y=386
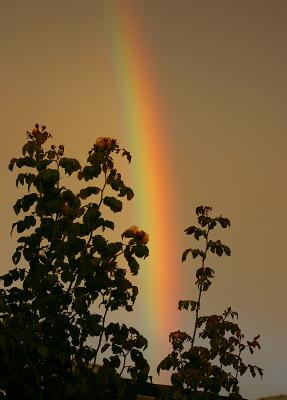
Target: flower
x=35 y=130
x=104 y=142
x=143 y=236
x=135 y=231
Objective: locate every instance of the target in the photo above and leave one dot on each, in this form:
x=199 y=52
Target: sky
x=196 y=91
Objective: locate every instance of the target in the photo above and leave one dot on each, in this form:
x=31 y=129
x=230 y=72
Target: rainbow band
x=143 y=122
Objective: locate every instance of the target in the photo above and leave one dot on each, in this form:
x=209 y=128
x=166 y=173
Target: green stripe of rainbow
x=147 y=141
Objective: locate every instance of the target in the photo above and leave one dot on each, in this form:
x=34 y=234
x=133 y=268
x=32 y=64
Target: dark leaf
x=114 y=204
x=185 y=253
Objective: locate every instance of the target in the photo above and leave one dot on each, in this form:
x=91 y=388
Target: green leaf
x=8 y=280
x=219 y=250
x=133 y=264
x=48 y=177
x=28 y=201
x=12 y=163
x=108 y=224
x=91 y=171
x=185 y=253
x=88 y=191
x=16 y=257
x=26 y=223
x=51 y=154
x=71 y=199
x=92 y=216
x=187 y=304
x=25 y=162
x=224 y=222
x=29 y=179
x=42 y=164
x=70 y=165
x=17 y=206
x=105 y=347
x=127 y=154
x=114 y=204
x=141 y=251
x=190 y=230
x=43 y=351
x=66 y=276
x=227 y=250
x=199 y=232
x=25 y=203
x=130 y=193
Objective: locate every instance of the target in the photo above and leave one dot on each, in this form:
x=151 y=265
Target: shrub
x=218 y=366
x=71 y=278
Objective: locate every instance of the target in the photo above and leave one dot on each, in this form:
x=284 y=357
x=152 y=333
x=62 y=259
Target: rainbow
x=155 y=205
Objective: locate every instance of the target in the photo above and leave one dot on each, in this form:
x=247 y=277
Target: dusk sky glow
x=196 y=91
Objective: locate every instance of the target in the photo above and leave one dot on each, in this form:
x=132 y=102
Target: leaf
x=26 y=223
x=199 y=232
x=224 y=222
x=227 y=250
x=130 y=193
x=25 y=178
x=25 y=203
x=114 y=204
x=70 y=165
x=185 y=253
x=91 y=216
x=28 y=200
x=195 y=253
x=48 y=177
x=16 y=257
x=51 y=154
x=66 y=276
x=219 y=250
x=88 y=191
x=12 y=163
x=43 y=351
x=133 y=264
x=17 y=206
x=127 y=154
x=105 y=347
x=108 y=224
x=190 y=230
x=186 y=304
x=8 y=280
x=42 y=164
x=25 y=162
x=141 y=251
x=91 y=171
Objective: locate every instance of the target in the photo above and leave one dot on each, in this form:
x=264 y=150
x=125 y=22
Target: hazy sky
x=221 y=69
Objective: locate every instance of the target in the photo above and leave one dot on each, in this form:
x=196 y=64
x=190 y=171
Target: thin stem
x=200 y=290
x=103 y=188
x=124 y=363
x=102 y=333
x=196 y=316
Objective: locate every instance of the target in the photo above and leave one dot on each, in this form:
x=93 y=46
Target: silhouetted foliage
x=208 y=369
x=70 y=279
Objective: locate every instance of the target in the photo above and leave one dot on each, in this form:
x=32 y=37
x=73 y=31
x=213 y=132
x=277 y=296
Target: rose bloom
x=104 y=142
x=140 y=234
x=35 y=131
x=143 y=236
x=133 y=229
